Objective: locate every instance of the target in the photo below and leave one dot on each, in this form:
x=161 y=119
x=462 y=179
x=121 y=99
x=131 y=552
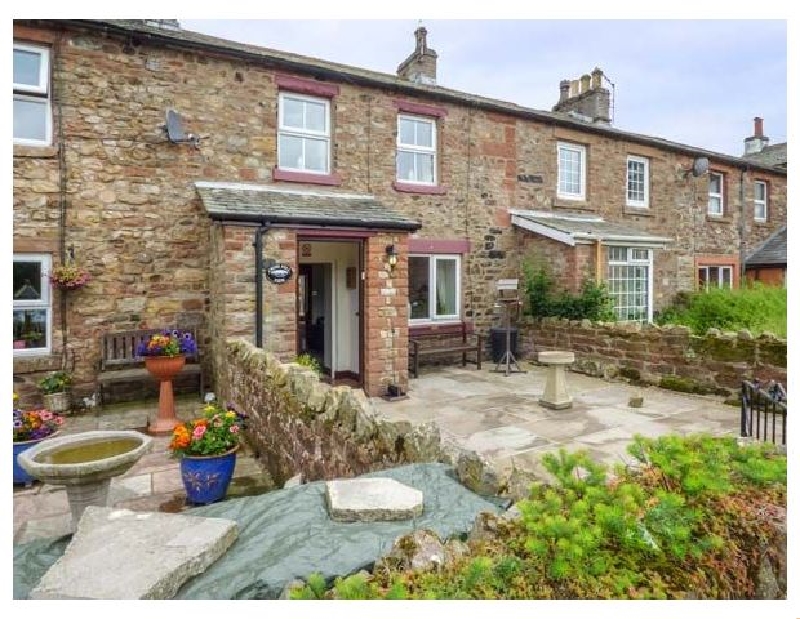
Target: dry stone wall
x=669 y=356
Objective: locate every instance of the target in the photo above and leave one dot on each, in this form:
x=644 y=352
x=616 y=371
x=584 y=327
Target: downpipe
x=258 y=244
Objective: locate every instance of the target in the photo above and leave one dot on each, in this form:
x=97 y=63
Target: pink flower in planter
x=199 y=431
x=46 y=415
x=234 y=429
x=59 y=420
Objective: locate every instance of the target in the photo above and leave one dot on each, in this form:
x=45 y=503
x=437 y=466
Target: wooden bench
x=120 y=364
x=463 y=346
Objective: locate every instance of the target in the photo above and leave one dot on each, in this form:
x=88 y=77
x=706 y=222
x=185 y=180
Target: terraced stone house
x=382 y=206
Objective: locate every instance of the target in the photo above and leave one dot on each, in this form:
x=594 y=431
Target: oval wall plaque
x=279 y=273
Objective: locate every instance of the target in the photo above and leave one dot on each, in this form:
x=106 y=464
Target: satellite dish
x=700 y=166
x=174 y=127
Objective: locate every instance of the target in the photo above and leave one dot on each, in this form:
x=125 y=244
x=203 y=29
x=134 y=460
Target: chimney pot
x=597 y=78
x=759 y=127
x=574 y=88
x=563 y=87
x=585 y=81
x=421 y=34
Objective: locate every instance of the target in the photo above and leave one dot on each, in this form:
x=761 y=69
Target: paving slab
x=117 y=554
x=372 y=499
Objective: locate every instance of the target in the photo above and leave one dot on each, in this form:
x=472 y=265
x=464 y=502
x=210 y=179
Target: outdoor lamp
x=391 y=255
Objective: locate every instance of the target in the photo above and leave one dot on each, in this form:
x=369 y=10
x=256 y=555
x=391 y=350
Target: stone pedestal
x=82 y=496
x=555 y=394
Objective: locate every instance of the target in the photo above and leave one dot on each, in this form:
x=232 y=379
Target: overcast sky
x=697 y=82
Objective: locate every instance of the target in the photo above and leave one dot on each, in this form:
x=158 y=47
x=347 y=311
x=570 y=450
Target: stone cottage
x=310 y=206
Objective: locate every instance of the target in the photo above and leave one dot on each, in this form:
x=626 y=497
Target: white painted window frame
x=304 y=133
x=415 y=148
x=646 y=172
x=720 y=279
x=630 y=261
x=720 y=194
x=45 y=303
x=581 y=150
x=763 y=204
x=432 y=317
x=39 y=93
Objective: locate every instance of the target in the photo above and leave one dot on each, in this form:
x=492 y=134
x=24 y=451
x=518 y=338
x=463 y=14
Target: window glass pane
x=714 y=183
x=761 y=191
x=445 y=287
x=418 y=287
x=424 y=168
x=702 y=278
x=569 y=171
x=28 y=281
x=714 y=204
x=315 y=116
x=424 y=134
x=27 y=66
x=405 y=166
x=30 y=328
x=618 y=254
x=406 y=129
x=292 y=113
x=316 y=155
x=639 y=254
x=761 y=210
x=726 y=277
x=628 y=288
x=291 y=152
x=30 y=119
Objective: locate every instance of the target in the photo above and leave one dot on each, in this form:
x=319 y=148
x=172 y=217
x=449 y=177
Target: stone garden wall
x=299 y=425
x=669 y=356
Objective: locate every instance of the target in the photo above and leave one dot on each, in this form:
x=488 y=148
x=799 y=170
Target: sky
x=700 y=82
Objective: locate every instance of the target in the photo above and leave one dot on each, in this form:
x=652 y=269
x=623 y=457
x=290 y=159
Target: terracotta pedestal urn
x=164 y=370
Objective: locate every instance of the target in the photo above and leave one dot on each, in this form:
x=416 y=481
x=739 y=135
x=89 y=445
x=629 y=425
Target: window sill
x=762 y=223
x=42 y=362
x=581 y=205
x=436 y=190
x=723 y=219
x=40 y=152
x=305 y=177
x=642 y=211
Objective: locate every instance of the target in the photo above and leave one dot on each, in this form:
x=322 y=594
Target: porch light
x=391 y=255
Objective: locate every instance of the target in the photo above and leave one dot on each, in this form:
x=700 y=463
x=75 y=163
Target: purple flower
x=17 y=422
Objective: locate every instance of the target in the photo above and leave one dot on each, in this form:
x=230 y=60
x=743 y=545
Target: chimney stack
x=585 y=98
x=420 y=66
x=756 y=142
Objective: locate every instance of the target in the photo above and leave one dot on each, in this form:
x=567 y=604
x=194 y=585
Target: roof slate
x=188 y=38
x=771 y=251
x=774 y=155
x=588 y=228
x=240 y=201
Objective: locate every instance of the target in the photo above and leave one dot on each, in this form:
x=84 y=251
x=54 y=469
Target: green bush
x=686 y=522
x=592 y=303
x=755 y=307
x=309 y=361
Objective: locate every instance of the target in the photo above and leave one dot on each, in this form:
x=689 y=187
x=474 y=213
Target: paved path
x=152 y=484
x=499 y=416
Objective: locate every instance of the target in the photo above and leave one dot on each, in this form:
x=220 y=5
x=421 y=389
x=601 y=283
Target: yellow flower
x=209 y=408
x=16 y=397
x=230 y=414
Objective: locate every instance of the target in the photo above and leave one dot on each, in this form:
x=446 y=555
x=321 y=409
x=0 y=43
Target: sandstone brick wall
x=299 y=425
x=136 y=223
x=714 y=362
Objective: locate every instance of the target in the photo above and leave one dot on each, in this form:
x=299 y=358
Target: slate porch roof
x=280 y=205
x=771 y=251
x=572 y=229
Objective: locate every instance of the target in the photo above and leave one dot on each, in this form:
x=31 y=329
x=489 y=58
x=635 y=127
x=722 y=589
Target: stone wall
x=299 y=425
x=669 y=356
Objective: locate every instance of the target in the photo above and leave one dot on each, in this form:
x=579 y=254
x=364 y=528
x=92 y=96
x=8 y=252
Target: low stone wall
x=669 y=356
x=299 y=425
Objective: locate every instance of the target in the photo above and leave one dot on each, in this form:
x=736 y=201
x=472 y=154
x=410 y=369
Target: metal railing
x=764 y=412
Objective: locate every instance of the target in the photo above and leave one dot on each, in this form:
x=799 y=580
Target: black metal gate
x=764 y=412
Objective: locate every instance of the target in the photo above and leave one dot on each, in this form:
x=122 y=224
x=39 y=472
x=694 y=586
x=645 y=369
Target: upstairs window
x=304 y=136
x=638 y=191
x=761 y=201
x=716 y=206
x=31 y=305
x=32 y=117
x=416 y=150
x=571 y=171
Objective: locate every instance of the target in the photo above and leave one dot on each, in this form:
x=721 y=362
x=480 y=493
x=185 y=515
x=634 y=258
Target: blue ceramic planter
x=206 y=478
x=21 y=475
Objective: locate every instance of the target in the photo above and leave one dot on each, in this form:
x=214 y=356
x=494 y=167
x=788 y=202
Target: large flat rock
x=119 y=554
x=372 y=499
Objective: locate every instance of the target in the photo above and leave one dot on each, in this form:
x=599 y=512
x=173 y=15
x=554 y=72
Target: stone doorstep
x=119 y=554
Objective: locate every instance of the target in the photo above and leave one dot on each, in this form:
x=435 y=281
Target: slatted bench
x=120 y=364
x=421 y=345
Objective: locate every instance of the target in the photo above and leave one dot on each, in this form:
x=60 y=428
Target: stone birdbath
x=555 y=394
x=85 y=463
